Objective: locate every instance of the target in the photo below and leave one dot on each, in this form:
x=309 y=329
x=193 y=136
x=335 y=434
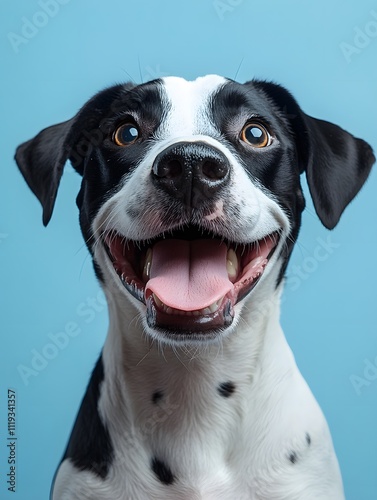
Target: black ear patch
x=336 y=163
x=41 y=160
x=339 y=166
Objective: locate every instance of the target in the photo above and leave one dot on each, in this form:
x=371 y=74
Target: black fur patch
x=293 y=457
x=162 y=471
x=90 y=447
x=98 y=272
x=226 y=389
x=157 y=396
x=99 y=180
x=308 y=439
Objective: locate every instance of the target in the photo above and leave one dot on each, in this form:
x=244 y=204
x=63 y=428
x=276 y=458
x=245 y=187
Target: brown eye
x=256 y=135
x=126 y=134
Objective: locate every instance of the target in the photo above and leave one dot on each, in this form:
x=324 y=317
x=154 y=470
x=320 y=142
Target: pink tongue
x=189 y=275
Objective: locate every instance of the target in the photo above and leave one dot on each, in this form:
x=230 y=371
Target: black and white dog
x=190 y=205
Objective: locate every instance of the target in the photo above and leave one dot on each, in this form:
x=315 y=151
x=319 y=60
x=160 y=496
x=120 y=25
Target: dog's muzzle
x=189 y=277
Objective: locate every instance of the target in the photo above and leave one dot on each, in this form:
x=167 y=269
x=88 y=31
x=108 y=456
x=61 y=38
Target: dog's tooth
x=157 y=301
x=172 y=311
x=147 y=265
x=214 y=307
x=232 y=264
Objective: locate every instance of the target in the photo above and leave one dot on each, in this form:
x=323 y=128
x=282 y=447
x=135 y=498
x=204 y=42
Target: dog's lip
x=189 y=323
x=129 y=259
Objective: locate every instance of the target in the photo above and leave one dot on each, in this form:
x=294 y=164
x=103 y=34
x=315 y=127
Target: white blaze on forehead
x=189 y=100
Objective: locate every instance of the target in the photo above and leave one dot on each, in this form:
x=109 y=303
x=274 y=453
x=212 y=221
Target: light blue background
x=329 y=313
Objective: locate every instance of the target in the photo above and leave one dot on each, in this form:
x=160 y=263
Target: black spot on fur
x=308 y=439
x=157 y=396
x=293 y=457
x=226 y=389
x=89 y=446
x=162 y=471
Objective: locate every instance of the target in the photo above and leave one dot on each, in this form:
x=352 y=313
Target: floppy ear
x=41 y=160
x=336 y=163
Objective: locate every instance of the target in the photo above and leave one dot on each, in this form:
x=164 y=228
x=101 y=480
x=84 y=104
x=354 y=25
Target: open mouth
x=189 y=279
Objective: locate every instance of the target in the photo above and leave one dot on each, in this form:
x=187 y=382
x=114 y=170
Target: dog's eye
x=126 y=134
x=256 y=135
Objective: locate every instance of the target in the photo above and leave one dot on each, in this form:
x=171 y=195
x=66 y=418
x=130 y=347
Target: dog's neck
x=179 y=392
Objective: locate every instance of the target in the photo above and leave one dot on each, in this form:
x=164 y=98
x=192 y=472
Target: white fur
x=188 y=106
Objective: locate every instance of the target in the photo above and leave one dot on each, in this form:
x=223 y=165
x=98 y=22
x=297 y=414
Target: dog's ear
x=41 y=160
x=336 y=163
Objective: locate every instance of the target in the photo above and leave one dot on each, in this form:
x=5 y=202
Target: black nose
x=192 y=172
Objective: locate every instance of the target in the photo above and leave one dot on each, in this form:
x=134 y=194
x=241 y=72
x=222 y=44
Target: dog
x=190 y=205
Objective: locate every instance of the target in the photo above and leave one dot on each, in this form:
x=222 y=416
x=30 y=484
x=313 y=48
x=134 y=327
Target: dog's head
x=191 y=192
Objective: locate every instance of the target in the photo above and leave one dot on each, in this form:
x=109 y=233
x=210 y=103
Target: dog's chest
x=187 y=464
x=179 y=433
x=201 y=441
x=216 y=481
x=196 y=464
x=190 y=432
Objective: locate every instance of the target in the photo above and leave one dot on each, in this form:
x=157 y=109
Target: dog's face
x=191 y=194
